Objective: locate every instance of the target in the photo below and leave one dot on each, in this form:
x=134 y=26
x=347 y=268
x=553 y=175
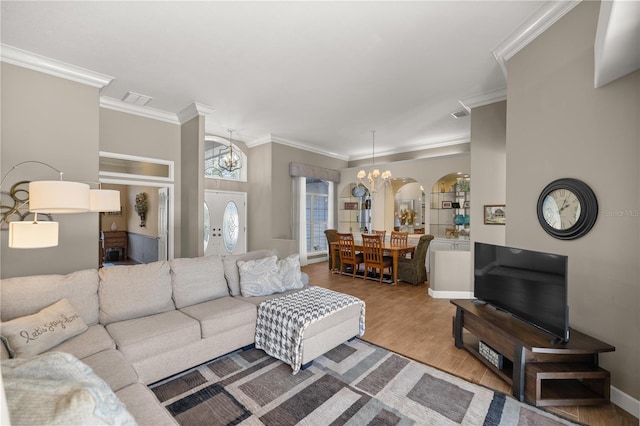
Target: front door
x=225 y=222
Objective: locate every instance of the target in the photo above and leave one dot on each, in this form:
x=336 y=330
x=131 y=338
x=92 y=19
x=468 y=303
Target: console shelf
x=540 y=372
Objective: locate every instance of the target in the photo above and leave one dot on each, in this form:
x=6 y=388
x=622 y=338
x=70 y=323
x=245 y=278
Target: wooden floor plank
x=404 y=319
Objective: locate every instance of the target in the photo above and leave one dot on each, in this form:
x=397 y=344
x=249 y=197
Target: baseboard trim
x=450 y=294
x=625 y=401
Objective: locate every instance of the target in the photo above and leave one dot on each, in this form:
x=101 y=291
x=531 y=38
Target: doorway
x=225 y=218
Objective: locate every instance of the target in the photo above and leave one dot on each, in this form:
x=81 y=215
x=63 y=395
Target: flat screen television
x=528 y=284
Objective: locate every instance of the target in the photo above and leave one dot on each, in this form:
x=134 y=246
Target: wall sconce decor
x=49 y=197
x=141 y=208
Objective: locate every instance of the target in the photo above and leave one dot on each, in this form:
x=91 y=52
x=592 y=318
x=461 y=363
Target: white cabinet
x=446 y=244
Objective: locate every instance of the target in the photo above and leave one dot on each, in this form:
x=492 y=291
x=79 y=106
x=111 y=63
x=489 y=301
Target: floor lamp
x=60 y=197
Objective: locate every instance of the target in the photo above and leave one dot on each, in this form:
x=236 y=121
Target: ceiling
x=319 y=75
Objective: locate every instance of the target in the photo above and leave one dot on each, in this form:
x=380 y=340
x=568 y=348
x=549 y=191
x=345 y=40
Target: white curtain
x=300 y=216
x=331 y=205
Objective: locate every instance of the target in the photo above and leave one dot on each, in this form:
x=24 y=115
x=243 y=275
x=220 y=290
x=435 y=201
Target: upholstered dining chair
x=348 y=255
x=413 y=270
x=373 y=258
x=332 y=237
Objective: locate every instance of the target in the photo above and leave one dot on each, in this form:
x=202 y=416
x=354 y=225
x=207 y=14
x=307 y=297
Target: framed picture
x=446 y=204
x=466 y=205
x=494 y=214
x=351 y=206
x=455 y=205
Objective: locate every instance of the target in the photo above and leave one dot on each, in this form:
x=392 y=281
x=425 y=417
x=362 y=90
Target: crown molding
x=530 y=29
x=294 y=144
x=194 y=110
x=152 y=113
x=420 y=146
x=35 y=62
x=484 y=99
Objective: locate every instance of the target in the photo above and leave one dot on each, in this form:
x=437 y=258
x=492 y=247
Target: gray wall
x=192 y=187
x=270 y=196
x=560 y=126
x=140 y=136
x=488 y=169
x=53 y=120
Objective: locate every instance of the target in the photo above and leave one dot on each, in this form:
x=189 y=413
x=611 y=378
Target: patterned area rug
x=356 y=383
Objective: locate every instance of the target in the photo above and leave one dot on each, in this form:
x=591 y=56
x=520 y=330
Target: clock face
x=561 y=209
x=567 y=209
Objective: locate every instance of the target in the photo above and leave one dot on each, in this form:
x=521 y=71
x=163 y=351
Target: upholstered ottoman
x=298 y=327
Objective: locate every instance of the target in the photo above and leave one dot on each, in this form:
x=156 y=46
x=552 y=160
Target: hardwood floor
x=405 y=319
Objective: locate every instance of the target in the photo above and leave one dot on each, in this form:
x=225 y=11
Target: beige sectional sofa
x=143 y=323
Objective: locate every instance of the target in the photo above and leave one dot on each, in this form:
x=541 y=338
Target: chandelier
x=228 y=160
x=375 y=180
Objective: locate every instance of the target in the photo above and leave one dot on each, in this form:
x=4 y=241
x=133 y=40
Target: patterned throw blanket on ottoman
x=282 y=321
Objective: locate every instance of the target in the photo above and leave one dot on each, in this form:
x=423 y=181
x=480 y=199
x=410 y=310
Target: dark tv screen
x=528 y=284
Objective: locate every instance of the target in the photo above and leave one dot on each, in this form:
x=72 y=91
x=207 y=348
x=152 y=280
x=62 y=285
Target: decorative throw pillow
x=230 y=263
x=34 y=334
x=260 y=277
x=290 y=272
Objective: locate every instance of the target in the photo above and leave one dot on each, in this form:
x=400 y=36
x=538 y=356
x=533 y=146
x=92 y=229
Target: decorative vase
x=459 y=219
x=410 y=229
x=114 y=227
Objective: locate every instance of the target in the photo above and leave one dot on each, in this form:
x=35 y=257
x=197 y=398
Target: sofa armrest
x=304 y=277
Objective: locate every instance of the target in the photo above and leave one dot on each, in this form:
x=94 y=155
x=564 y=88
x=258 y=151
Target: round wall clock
x=567 y=209
x=358 y=191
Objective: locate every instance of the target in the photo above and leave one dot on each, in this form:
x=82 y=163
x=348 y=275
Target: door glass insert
x=207 y=226
x=230 y=223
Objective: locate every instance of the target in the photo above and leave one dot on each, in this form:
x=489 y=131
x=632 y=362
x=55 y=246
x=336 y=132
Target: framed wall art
x=494 y=214
x=351 y=206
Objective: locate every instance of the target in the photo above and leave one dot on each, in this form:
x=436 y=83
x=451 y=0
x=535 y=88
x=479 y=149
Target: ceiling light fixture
x=375 y=179
x=228 y=160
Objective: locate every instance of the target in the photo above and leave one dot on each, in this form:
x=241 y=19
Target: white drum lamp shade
x=104 y=200
x=29 y=235
x=57 y=196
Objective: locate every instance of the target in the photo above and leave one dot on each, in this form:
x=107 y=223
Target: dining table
x=395 y=250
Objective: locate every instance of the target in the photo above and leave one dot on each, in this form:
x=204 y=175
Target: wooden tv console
x=540 y=372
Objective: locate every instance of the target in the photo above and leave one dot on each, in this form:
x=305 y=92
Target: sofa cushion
x=289 y=269
x=113 y=368
x=220 y=315
x=144 y=406
x=34 y=334
x=260 y=277
x=58 y=389
x=23 y=296
x=92 y=341
x=141 y=338
x=231 y=272
x=197 y=280
x=134 y=291
x=257 y=300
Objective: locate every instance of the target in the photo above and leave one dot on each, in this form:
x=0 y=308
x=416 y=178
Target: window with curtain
x=317 y=216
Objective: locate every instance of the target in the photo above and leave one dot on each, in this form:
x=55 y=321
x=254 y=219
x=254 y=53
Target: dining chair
x=373 y=258
x=413 y=270
x=382 y=233
x=348 y=255
x=399 y=239
x=332 y=237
